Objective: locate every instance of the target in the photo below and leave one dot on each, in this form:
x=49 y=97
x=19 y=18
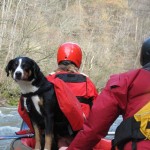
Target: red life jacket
x=24 y=115
x=69 y=104
x=81 y=86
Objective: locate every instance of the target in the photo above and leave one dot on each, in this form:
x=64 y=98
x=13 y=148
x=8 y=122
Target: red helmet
x=70 y=51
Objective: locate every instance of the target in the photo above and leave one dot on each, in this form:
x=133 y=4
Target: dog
x=39 y=99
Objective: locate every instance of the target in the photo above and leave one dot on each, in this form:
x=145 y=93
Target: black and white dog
x=39 y=98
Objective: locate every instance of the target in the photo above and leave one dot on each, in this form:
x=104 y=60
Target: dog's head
x=22 y=68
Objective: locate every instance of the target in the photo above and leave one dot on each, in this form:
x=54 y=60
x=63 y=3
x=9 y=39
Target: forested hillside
x=110 y=33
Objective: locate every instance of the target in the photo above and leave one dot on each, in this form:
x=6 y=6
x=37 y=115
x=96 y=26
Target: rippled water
x=10 y=122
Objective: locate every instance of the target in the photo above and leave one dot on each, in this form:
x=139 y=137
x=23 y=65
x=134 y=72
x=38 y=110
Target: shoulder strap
x=70 y=77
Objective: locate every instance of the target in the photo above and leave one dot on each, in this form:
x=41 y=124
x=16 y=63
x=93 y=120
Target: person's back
x=80 y=85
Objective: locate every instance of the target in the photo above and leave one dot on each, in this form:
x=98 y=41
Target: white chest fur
x=35 y=100
x=27 y=87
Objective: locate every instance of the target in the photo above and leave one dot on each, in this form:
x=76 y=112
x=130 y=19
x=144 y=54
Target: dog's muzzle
x=18 y=75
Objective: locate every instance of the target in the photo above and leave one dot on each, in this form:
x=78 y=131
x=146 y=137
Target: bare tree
x=109 y=32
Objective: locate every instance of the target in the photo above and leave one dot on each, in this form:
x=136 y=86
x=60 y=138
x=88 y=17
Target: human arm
x=102 y=115
x=108 y=105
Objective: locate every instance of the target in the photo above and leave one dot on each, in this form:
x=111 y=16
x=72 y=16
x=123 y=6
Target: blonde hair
x=69 y=68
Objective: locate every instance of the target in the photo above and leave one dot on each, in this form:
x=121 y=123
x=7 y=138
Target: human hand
x=63 y=148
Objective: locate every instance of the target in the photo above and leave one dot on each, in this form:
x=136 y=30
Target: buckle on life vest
x=143 y=116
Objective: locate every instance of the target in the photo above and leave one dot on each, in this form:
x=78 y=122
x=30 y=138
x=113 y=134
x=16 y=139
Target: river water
x=10 y=122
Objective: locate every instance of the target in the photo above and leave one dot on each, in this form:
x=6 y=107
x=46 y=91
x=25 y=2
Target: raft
x=104 y=144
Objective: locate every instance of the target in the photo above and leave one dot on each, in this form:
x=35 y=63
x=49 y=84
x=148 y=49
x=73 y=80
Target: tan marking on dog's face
x=48 y=141
x=26 y=75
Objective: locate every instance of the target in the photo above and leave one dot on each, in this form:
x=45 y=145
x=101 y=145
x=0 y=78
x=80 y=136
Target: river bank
x=3 y=103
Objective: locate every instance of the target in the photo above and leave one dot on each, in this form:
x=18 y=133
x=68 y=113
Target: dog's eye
x=15 y=64
x=26 y=67
x=23 y=65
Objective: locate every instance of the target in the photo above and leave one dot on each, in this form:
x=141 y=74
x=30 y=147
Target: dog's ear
x=9 y=67
x=36 y=69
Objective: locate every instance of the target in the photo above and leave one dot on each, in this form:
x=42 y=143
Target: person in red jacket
x=126 y=94
x=69 y=57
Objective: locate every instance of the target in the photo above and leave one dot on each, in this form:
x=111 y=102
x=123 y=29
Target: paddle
x=16 y=136
x=7 y=137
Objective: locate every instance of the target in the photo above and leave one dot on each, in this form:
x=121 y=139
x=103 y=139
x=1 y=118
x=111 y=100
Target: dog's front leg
x=48 y=132
x=37 y=137
x=48 y=142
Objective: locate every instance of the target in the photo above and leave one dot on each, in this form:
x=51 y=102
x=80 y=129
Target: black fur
x=50 y=119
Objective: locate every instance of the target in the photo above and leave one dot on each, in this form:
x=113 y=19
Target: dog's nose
x=18 y=75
